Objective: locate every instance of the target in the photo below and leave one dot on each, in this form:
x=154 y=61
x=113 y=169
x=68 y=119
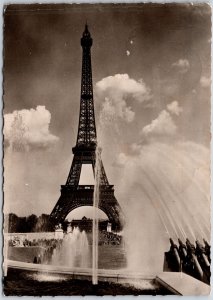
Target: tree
x=44 y=224
x=31 y=223
x=13 y=220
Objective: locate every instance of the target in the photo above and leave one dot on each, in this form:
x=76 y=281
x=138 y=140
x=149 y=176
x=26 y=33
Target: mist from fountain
x=167 y=195
x=74 y=250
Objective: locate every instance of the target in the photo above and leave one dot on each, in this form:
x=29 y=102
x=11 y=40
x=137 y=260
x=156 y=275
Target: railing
x=87 y=187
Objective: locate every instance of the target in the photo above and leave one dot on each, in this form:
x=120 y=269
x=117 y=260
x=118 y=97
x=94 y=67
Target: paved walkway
x=183 y=284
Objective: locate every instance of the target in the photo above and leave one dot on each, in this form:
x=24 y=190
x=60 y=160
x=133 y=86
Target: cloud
x=162 y=125
x=29 y=128
x=113 y=109
x=116 y=90
x=124 y=86
x=182 y=65
x=174 y=108
x=205 y=82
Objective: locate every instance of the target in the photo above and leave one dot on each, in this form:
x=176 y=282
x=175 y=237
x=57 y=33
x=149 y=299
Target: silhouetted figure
x=35 y=260
x=39 y=259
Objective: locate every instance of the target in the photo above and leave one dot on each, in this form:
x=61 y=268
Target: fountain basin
x=174 y=282
x=183 y=284
x=119 y=276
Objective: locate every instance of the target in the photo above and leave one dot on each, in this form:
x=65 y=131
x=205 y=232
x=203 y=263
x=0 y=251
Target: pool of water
x=27 y=283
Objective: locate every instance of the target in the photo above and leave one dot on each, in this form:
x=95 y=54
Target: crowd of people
x=110 y=238
x=46 y=248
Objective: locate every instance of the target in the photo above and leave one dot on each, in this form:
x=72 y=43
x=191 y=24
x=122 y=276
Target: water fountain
x=73 y=251
x=95 y=220
x=168 y=191
x=167 y=194
x=158 y=209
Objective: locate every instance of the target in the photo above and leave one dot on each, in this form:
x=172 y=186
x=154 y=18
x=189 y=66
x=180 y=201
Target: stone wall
x=30 y=235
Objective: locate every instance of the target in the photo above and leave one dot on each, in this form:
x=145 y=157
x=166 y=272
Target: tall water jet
x=84 y=245
x=73 y=251
x=95 y=219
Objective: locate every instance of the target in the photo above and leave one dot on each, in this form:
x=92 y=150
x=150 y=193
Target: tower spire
x=86 y=129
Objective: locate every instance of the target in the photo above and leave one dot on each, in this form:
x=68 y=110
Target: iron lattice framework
x=74 y=195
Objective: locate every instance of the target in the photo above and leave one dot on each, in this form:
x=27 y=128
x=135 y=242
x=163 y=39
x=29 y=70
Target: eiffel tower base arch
x=72 y=198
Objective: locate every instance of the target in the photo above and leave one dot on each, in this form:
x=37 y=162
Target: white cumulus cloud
x=113 y=109
x=29 y=128
x=174 y=108
x=115 y=90
x=182 y=65
x=205 y=81
x=162 y=125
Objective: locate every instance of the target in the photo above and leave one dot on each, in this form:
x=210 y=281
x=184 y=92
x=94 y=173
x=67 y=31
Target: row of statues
x=192 y=259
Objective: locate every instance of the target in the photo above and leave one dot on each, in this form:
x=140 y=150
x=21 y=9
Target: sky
x=151 y=79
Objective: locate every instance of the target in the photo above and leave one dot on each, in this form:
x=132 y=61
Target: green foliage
x=31 y=223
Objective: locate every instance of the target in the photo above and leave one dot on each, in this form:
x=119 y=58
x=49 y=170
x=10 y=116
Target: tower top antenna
x=86 y=40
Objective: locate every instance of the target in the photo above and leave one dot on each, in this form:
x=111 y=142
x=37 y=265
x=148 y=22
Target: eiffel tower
x=74 y=195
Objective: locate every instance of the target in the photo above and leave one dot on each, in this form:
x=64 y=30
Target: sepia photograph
x=106 y=149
